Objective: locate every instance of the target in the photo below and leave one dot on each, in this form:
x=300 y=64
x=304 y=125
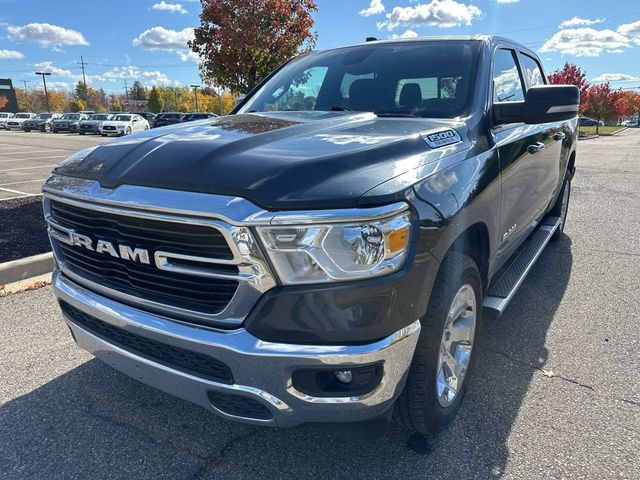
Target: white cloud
x=375 y=7
x=58 y=86
x=616 y=77
x=113 y=75
x=190 y=56
x=58 y=72
x=160 y=38
x=580 y=22
x=586 y=42
x=46 y=35
x=406 y=34
x=169 y=7
x=631 y=30
x=10 y=55
x=439 y=13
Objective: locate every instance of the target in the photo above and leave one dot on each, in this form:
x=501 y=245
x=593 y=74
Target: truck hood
x=284 y=160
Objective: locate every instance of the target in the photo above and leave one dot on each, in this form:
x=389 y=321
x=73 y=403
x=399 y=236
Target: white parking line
x=21 y=196
x=26 y=168
x=13 y=191
x=33 y=151
x=31 y=158
x=23 y=181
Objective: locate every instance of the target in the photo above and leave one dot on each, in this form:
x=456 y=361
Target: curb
x=25 y=268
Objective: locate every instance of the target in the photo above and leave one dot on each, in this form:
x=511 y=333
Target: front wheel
x=444 y=355
x=127 y=131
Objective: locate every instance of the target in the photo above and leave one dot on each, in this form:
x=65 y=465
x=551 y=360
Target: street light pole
x=195 y=91
x=46 y=94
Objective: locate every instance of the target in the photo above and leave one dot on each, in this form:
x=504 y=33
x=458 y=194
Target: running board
x=502 y=291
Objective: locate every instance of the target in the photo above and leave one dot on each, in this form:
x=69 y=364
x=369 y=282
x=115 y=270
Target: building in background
x=7 y=91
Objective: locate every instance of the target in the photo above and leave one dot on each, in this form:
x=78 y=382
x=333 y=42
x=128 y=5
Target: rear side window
x=507 y=84
x=532 y=71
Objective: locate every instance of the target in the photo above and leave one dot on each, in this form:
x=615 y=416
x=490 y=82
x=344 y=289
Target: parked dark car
x=148 y=116
x=190 y=117
x=589 y=122
x=41 y=122
x=68 y=122
x=168 y=118
x=93 y=123
x=329 y=251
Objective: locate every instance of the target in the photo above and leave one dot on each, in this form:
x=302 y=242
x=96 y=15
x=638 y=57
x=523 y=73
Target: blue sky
x=145 y=39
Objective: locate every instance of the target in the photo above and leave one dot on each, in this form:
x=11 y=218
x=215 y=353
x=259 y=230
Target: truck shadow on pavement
x=93 y=422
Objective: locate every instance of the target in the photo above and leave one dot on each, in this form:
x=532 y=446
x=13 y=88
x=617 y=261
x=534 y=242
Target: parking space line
x=26 y=168
x=22 y=181
x=34 y=151
x=21 y=196
x=7 y=160
x=13 y=191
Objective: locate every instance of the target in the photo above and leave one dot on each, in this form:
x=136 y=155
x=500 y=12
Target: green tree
x=156 y=102
x=137 y=92
x=116 y=106
x=240 y=42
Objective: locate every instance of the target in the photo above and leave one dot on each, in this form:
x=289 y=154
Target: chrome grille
x=199 y=270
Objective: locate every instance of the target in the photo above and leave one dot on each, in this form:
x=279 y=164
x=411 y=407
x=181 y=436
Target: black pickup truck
x=328 y=251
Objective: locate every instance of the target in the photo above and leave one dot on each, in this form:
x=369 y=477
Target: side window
x=507 y=84
x=532 y=71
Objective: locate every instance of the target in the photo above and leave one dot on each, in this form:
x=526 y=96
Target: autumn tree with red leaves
x=603 y=103
x=571 y=74
x=241 y=41
x=3 y=101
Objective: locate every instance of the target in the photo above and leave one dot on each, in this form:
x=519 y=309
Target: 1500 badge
x=441 y=139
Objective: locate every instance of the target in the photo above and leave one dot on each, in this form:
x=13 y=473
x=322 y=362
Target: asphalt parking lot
x=555 y=393
x=26 y=159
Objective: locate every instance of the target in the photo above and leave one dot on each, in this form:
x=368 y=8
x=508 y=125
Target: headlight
x=335 y=252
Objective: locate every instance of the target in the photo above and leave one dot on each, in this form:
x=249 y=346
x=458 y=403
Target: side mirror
x=542 y=104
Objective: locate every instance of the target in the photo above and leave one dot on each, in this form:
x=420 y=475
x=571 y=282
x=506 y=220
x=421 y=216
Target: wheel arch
x=474 y=242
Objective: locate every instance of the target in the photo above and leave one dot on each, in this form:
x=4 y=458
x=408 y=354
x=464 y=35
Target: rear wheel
x=47 y=128
x=81 y=133
x=444 y=355
x=27 y=129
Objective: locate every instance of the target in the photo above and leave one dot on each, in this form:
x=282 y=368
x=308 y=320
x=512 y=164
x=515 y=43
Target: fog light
x=345 y=376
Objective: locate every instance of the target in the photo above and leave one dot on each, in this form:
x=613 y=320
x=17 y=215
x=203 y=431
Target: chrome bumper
x=261 y=370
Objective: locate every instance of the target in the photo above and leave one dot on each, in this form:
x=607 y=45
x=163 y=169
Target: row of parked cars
x=105 y=124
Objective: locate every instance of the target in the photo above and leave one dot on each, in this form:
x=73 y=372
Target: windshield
x=71 y=116
x=44 y=116
x=122 y=118
x=100 y=117
x=425 y=79
x=23 y=115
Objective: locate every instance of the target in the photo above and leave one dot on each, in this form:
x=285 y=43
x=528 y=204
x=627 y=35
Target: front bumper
x=261 y=370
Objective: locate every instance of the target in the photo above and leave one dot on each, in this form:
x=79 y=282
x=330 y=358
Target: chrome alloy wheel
x=456 y=345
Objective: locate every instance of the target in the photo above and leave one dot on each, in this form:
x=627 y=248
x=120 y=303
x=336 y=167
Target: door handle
x=559 y=136
x=536 y=147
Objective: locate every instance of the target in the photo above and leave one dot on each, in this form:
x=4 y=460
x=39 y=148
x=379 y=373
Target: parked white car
x=124 y=124
x=15 y=122
x=4 y=116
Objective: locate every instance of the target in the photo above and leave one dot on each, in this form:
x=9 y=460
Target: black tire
x=561 y=208
x=418 y=406
x=104 y=134
x=55 y=130
x=81 y=133
x=27 y=130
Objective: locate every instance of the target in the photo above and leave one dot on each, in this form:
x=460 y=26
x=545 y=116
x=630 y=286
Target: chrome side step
x=502 y=291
